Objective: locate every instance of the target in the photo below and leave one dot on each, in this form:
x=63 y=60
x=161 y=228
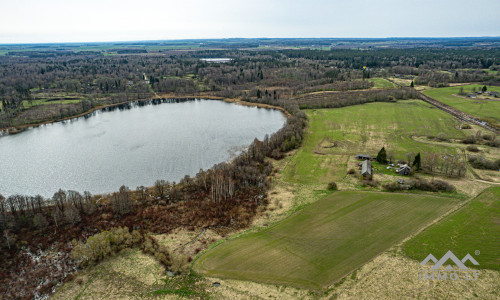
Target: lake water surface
x=134 y=145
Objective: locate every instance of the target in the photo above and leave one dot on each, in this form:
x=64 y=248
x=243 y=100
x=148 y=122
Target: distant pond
x=133 y=144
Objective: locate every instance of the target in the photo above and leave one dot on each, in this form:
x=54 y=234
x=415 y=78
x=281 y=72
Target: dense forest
x=55 y=82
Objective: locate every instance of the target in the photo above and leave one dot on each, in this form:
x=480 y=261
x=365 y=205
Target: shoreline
x=18 y=129
x=4 y=132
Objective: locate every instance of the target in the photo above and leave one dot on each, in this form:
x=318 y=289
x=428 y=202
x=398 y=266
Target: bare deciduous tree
x=72 y=215
x=75 y=199
x=159 y=188
x=59 y=199
x=121 y=202
x=142 y=192
x=10 y=238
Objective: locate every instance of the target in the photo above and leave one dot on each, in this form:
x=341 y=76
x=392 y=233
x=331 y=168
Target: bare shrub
x=469 y=140
x=371 y=183
x=40 y=222
x=180 y=264
x=480 y=162
x=472 y=148
x=332 y=186
x=392 y=187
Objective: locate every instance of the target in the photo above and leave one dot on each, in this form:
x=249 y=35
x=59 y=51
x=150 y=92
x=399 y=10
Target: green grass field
x=381 y=83
x=336 y=135
x=326 y=240
x=476 y=107
x=474 y=227
x=28 y=104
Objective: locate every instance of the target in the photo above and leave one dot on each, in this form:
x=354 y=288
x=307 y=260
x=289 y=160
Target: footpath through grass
x=476 y=227
x=326 y=240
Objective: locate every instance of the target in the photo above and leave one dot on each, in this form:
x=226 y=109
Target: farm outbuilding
x=404 y=170
x=366 y=168
x=363 y=157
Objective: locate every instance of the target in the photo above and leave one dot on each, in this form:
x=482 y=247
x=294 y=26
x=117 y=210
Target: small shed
x=366 y=168
x=363 y=157
x=404 y=170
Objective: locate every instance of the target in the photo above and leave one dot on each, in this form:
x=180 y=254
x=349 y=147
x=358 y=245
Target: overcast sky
x=29 y=21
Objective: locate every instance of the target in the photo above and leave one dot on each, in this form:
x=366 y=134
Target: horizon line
x=255 y=38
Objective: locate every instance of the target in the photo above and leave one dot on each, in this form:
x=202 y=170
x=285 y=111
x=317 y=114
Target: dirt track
x=456 y=113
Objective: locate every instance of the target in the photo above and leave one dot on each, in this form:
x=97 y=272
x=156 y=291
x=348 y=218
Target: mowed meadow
x=325 y=241
x=474 y=229
x=334 y=136
x=479 y=107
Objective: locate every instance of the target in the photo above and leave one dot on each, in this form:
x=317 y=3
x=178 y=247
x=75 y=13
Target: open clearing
x=336 y=135
x=381 y=83
x=489 y=109
x=324 y=241
x=474 y=227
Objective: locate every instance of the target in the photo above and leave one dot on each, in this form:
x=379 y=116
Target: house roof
x=405 y=166
x=366 y=168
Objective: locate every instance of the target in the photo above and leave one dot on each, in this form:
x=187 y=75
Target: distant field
x=381 y=83
x=474 y=227
x=326 y=240
x=28 y=104
x=336 y=135
x=475 y=107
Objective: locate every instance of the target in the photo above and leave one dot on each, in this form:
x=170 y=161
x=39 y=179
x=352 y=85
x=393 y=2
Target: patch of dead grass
x=114 y=278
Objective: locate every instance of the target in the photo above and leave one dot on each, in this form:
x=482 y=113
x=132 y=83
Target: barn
x=363 y=157
x=366 y=168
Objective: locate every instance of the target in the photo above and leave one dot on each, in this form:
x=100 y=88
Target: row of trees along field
x=227 y=196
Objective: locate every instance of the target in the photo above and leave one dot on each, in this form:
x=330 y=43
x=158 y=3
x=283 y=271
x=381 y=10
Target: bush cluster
x=480 y=162
x=433 y=185
x=104 y=244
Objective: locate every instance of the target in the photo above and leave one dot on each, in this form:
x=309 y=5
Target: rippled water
x=132 y=145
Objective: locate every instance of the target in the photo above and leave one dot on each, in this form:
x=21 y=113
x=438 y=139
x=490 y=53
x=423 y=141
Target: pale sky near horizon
x=36 y=21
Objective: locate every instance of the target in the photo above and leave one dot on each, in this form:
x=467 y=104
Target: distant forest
x=89 y=75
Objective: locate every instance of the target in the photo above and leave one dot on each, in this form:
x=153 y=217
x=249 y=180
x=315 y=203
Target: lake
x=133 y=144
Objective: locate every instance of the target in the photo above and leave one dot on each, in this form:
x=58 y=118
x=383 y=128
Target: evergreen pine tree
x=416 y=161
x=382 y=156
